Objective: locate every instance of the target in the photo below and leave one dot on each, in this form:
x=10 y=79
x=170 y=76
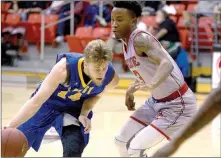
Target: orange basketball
x=14 y=143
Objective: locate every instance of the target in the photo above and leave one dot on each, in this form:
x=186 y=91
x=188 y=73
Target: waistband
x=180 y=92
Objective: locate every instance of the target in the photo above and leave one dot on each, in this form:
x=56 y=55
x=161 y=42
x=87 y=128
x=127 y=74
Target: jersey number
x=77 y=95
x=138 y=75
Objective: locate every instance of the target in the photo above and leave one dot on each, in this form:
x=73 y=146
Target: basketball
x=14 y=143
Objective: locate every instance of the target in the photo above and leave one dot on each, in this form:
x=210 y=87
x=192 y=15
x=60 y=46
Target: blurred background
x=189 y=30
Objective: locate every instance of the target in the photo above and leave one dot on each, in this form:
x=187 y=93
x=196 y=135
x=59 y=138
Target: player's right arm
x=57 y=75
x=129 y=99
x=209 y=110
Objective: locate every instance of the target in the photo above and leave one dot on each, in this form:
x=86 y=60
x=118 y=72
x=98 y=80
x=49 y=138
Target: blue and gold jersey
x=69 y=97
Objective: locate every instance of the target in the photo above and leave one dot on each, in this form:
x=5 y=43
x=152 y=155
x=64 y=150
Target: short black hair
x=133 y=6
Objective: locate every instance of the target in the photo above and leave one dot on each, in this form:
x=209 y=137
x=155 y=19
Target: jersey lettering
x=62 y=94
x=75 y=97
x=77 y=93
x=132 y=62
x=136 y=73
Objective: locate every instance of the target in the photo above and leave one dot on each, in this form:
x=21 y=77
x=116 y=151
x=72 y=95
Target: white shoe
x=59 y=39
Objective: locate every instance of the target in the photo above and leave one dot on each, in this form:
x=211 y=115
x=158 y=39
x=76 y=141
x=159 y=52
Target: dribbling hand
x=86 y=123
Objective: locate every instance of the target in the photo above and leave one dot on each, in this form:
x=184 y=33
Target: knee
x=120 y=140
x=136 y=149
x=121 y=145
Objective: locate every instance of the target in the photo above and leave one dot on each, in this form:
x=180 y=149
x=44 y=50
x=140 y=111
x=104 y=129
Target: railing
x=43 y=26
x=195 y=32
x=71 y=17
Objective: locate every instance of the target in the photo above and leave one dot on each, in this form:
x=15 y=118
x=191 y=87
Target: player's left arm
x=89 y=104
x=114 y=82
x=87 y=107
x=146 y=44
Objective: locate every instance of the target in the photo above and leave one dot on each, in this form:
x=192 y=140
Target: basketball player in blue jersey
x=66 y=97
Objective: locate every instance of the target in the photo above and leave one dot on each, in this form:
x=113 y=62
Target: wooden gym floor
x=109 y=115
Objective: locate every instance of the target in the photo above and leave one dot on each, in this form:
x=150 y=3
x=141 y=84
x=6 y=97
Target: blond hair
x=97 y=51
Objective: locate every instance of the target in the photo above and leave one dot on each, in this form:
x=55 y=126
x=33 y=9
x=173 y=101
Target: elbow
x=171 y=67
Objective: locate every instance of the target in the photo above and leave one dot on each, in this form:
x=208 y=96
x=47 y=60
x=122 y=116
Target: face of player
x=122 y=22
x=96 y=71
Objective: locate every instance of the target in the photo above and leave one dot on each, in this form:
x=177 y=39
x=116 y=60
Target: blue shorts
x=35 y=128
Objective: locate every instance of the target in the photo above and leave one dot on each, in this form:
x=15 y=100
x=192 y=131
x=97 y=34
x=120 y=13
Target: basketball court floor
x=109 y=115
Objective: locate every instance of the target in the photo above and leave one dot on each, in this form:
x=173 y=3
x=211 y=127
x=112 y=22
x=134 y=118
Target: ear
x=85 y=64
x=134 y=21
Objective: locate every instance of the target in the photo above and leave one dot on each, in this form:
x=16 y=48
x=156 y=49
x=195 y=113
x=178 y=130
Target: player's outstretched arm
x=89 y=104
x=146 y=44
x=57 y=75
x=209 y=110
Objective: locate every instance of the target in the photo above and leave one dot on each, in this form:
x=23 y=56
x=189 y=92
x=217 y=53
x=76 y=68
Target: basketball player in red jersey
x=171 y=104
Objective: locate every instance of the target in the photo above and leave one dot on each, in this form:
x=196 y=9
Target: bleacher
x=194 y=41
x=34 y=22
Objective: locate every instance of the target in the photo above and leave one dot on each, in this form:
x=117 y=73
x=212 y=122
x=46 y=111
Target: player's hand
x=166 y=150
x=143 y=86
x=86 y=123
x=133 y=88
x=129 y=102
x=129 y=99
